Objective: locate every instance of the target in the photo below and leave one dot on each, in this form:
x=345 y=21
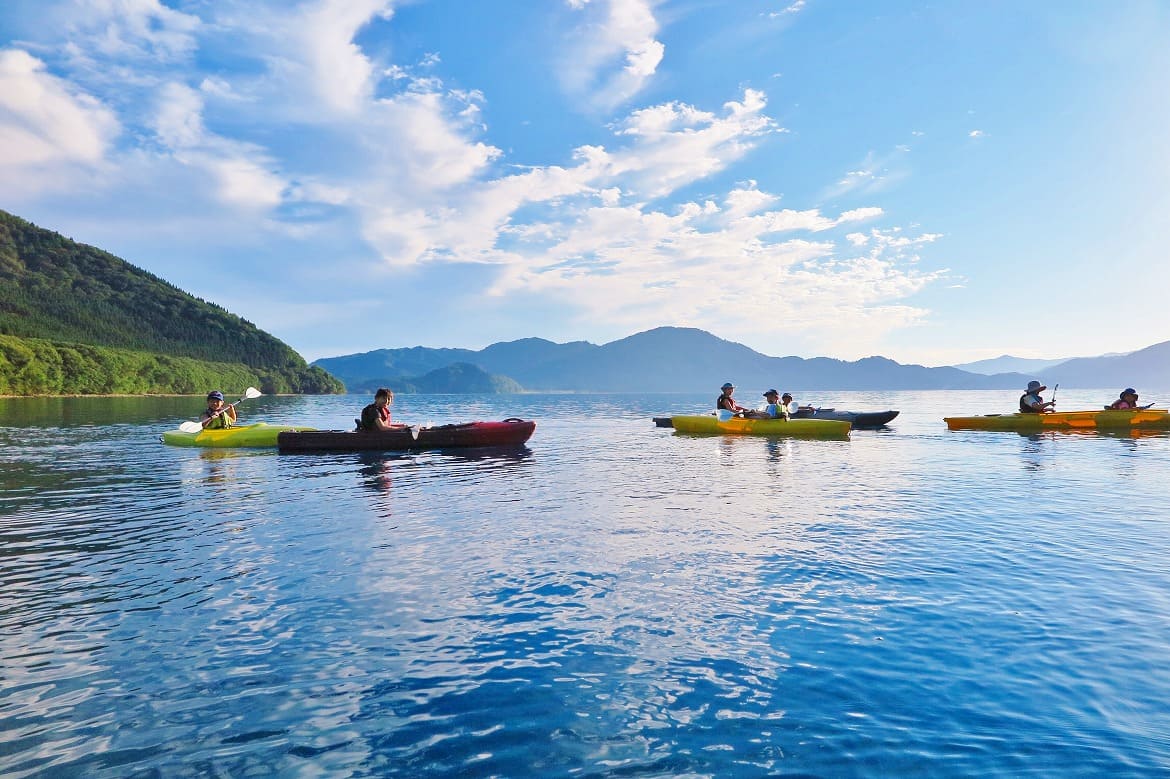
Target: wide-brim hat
x=771 y=392
x=728 y=385
x=1035 y=386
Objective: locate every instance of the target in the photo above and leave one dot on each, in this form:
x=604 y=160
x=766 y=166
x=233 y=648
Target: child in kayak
x=376 y=416
x=217 y=416
x=1127 y=400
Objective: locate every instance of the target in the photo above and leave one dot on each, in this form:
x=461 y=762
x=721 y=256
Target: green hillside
x=57 y=295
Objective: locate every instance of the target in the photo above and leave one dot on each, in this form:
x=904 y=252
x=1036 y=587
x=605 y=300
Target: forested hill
x=59 y=291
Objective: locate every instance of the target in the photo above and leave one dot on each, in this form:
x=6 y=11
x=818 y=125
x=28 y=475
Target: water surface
x=612 y=599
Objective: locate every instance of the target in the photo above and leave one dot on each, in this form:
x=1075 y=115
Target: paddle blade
x=414 y=432
x=191 y=427
x=723 y=414
x=252 y=392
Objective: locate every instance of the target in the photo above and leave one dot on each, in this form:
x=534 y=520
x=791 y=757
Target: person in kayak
x=727 y=403
x=376 y=416
x=775 y=409
x=217 y=416
x=1032 y=403
x=792 y=406
x=1127 y=400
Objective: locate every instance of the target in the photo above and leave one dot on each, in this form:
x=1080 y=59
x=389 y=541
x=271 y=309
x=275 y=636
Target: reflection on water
x=611 y=599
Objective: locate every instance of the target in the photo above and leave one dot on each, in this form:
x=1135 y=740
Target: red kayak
x=510 y=432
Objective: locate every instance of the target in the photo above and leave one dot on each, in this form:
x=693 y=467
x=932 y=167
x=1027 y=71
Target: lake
x=612 y=599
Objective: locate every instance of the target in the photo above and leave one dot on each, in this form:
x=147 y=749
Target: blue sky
x=935 y=182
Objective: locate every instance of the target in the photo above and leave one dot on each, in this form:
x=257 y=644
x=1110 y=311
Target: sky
x=933 y=182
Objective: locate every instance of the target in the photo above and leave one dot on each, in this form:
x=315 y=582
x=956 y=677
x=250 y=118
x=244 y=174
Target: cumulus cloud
x=614 y=53
x=398 y=160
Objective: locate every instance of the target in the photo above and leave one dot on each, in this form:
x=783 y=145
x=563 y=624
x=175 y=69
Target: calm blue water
x=611 y=600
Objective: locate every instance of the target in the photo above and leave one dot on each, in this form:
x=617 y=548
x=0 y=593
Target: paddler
x=376 y=416
x=1032 y=403
x=217 y=416
x=1127 y=400
x=727 y=403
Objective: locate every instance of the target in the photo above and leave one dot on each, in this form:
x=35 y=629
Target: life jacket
x=370 y=413
x=220 y=421
x=1024 y=407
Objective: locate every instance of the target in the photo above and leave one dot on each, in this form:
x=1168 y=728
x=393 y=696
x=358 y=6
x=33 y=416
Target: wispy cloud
x=48 y=127
x=614 y=51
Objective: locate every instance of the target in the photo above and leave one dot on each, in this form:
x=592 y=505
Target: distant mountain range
x=1007 y=364
x=679 y=359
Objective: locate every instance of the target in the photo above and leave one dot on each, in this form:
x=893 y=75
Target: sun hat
x=728 y=385
x=215 y=395
x=771 y=392
x=786 y=395
x=1035 y=386
x=1128 y=391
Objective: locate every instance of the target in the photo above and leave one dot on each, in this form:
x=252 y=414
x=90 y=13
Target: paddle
x=196 y=427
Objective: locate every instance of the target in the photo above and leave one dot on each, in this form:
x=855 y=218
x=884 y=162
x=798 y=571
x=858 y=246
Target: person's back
x=1127 y=401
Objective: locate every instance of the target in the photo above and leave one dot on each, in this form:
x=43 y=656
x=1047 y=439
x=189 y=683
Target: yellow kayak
x=1142 y=419
x=259 y=434
x=803 y=428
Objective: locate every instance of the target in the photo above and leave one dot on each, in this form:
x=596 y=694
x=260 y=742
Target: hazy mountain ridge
x=457 y=378
x=1006 y=363
x=667 y=359
x=680 y=359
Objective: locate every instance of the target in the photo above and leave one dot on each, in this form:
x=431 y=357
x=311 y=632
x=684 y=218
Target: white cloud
x=340 y=72
x=393 y=156
x=141 y=30
x=47 y=125
x=239 y=170
x=615 y=52
x=976 y=134
x=793 y=8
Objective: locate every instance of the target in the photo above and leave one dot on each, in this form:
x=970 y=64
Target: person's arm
x=230 y=411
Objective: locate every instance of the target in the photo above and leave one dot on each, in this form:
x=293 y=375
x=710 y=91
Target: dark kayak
x=855 y=418
x=510 y=432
